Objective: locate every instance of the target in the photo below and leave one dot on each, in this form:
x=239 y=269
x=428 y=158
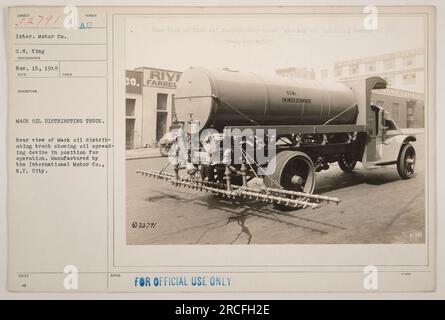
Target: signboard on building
x=401 y=93
x=133 y=81
x=159 y=78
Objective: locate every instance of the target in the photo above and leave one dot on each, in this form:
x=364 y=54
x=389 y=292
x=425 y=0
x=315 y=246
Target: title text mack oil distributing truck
x=239 y=126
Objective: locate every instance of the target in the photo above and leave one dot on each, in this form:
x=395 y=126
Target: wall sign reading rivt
x=161 y=78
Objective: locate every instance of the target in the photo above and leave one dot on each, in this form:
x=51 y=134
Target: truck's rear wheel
x=406 y=161
x=294 y=170
x=346 y=163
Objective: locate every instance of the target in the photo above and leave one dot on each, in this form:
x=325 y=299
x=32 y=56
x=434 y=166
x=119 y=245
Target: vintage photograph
x=275 y=129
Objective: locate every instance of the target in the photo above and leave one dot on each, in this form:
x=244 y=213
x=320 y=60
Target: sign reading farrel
x=161 y=78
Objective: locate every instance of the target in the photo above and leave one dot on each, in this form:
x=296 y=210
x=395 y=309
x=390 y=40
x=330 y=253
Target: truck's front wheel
x=406 y=161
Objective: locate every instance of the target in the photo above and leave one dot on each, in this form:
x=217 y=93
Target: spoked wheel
x=346 y=163
x=294 y=171
x=406 y=161
x=163 y=151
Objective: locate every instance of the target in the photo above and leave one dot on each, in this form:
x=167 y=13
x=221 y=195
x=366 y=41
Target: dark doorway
x=161 y=125
x=129 y=133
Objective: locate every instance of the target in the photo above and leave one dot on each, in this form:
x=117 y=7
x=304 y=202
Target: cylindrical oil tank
x=219 y=98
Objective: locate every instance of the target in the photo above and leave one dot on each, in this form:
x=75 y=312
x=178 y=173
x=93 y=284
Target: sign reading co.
x=133 y=81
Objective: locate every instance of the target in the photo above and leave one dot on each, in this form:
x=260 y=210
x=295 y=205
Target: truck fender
x=392 y=147
x=404 y=139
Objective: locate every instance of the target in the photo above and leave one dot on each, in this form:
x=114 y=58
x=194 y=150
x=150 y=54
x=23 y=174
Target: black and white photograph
x=276 y=129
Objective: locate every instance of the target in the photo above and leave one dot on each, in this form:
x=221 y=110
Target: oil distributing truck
x=300 y=126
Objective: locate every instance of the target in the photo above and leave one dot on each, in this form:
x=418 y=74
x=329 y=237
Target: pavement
x=377 y=207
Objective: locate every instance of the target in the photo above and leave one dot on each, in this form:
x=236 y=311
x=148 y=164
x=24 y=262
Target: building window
x=162 y=101
x=353 y=69
x=409 y=78
x=129 y=107
x=371 y=67
x=161 y=116
x=388 y=64
x=161 y=124
x=324 y=73
x=410 y=113
x=129 y=122
x=338 y=71
x=409 y=61
x=395 y=112
x=414 y=117
x=129 y=133
x=173 y=109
